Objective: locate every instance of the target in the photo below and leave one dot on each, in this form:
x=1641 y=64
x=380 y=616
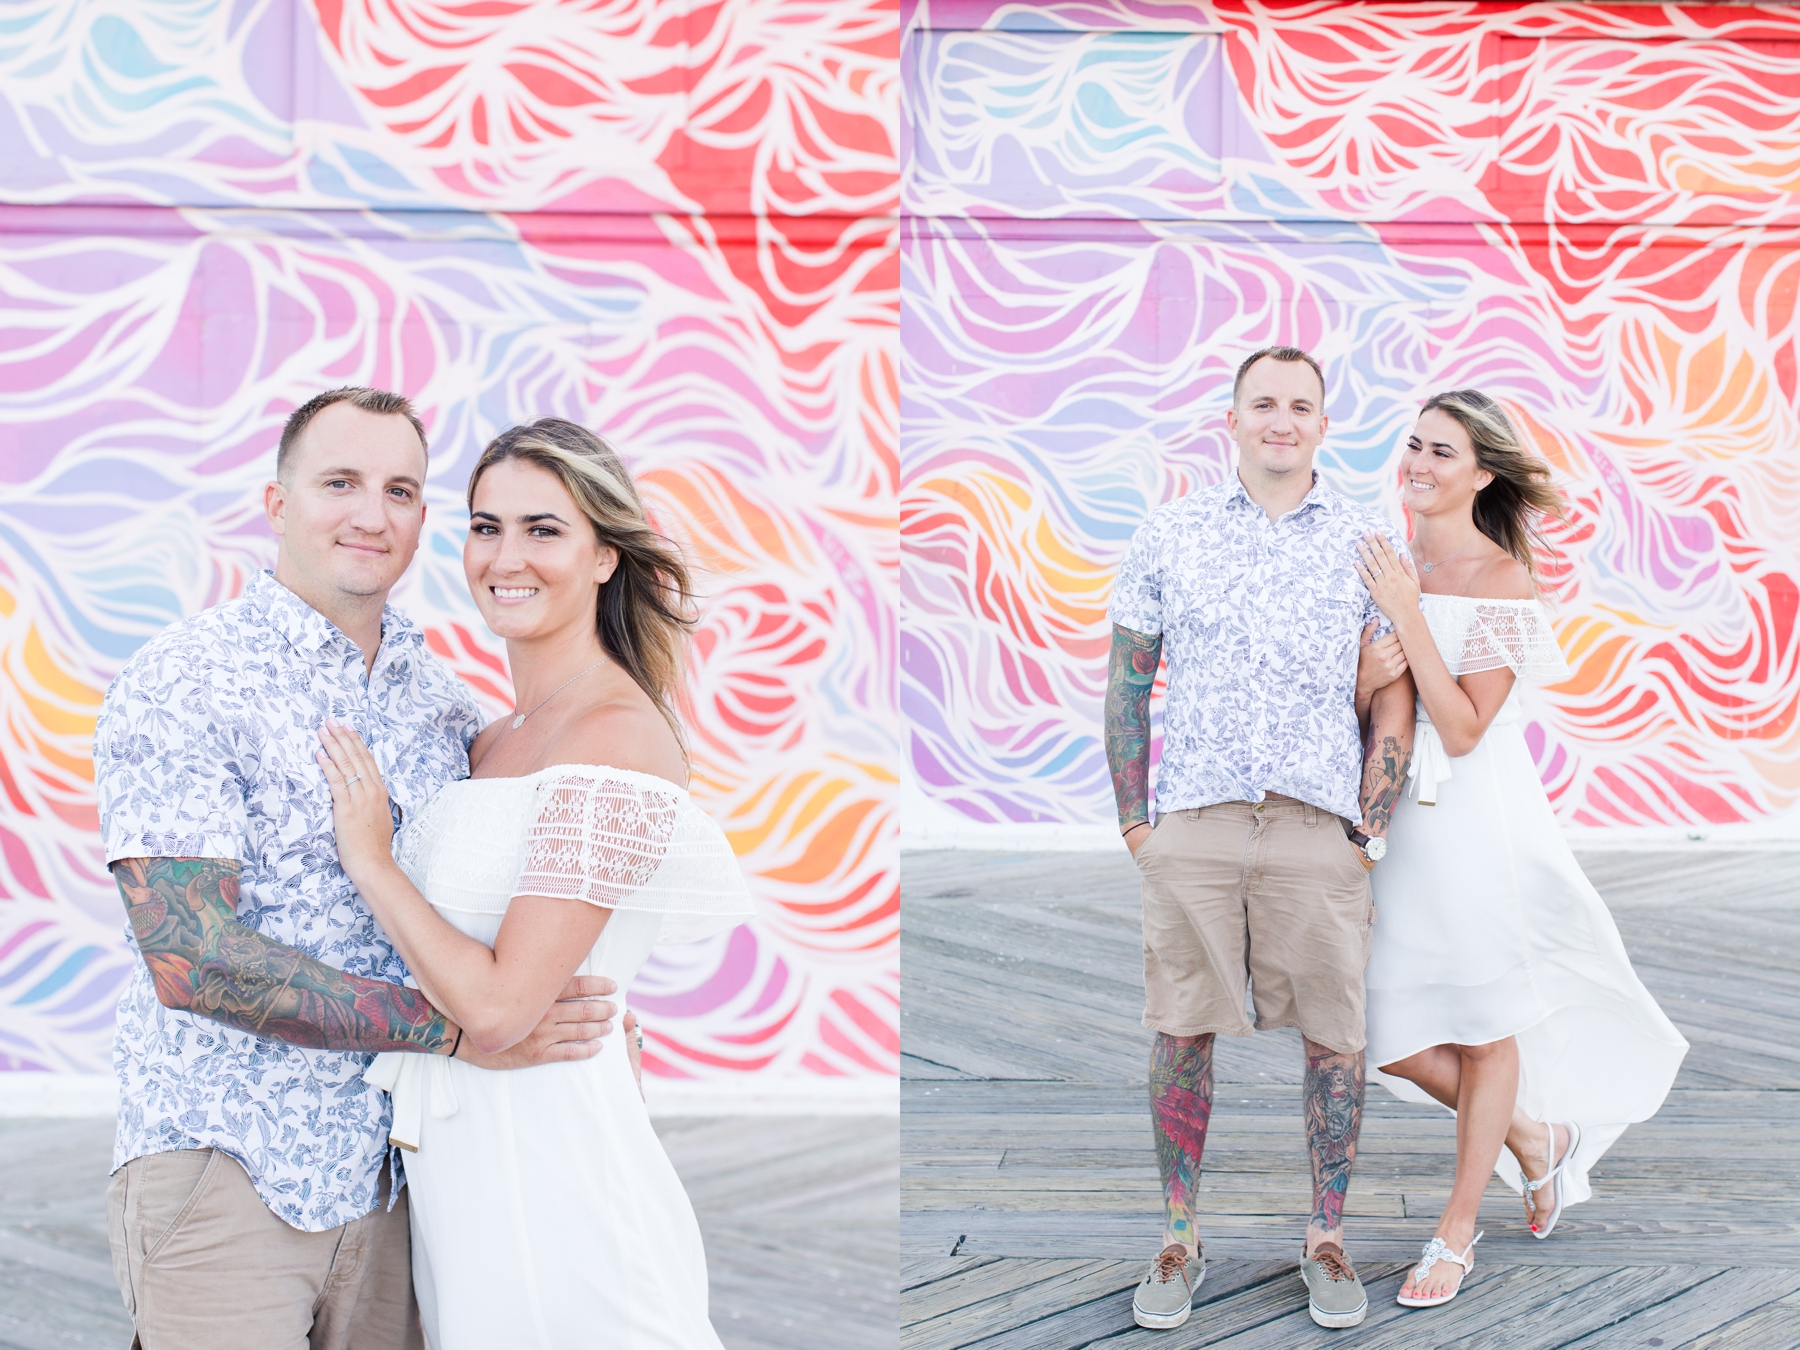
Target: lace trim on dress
x=1475 y=635
x=629 y=841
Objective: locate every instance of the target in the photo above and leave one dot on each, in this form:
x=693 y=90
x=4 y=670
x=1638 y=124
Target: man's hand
x=1136 y=835
x=571 y=1029
x=1379 y=663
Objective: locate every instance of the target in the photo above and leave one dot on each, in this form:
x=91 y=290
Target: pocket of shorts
x=1143 y=848
x=166 y=1204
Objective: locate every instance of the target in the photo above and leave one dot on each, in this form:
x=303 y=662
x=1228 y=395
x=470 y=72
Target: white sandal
x=1438 y=1250
x=1555 y=1174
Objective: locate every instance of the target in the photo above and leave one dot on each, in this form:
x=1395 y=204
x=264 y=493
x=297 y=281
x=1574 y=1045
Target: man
x=248 y=1204
x=1254 y=873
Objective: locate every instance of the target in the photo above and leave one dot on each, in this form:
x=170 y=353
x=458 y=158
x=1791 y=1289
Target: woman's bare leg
x=1482 y=1085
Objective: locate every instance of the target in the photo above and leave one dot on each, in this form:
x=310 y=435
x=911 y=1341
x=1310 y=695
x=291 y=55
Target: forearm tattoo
x=1334 y=1102
x=1384 y=775
x=1180 y=1106
x=184 y=914
x=1130 y=675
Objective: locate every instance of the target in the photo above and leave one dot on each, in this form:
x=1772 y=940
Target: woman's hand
x=359 y=801
x=1389 y=577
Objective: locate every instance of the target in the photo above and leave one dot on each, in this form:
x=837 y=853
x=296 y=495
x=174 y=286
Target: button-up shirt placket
x=1259 y=621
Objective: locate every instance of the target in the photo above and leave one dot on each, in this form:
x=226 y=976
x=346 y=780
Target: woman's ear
x=1482 y=479
x=608 y=562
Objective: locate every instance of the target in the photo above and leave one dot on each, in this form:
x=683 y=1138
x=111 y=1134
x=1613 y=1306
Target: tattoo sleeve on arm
x=183 y=912
x=1130 y=675
x=1389 y=752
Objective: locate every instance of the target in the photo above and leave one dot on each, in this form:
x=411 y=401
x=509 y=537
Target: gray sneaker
x=1165 y=1296
x=1335 y=1297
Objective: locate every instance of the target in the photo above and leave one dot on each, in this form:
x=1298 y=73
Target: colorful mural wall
x=1591 y=212
x=672 y=221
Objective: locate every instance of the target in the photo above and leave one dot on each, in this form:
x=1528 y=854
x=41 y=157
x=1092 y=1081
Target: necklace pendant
x=518 y=721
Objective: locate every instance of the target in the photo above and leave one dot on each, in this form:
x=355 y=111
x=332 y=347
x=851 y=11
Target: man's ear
x=275 y=506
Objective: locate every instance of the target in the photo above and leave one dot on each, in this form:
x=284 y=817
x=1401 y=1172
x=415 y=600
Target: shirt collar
x=1317 y=496
x=311 y=632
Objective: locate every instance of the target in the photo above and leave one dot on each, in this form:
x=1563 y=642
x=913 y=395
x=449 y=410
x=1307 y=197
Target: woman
x=544 y=1211
x=1498 y=985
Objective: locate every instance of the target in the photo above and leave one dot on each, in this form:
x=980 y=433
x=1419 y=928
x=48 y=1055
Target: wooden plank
x=1031 y=1290
x=1774 y=1326
x=1721 y=1301
x=916 y=1274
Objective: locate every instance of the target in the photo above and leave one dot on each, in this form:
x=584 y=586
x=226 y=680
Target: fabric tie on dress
x=1430 y=761
x=408 y=1078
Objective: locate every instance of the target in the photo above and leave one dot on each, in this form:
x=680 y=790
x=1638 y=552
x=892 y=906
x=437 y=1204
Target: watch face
x=1376 y=849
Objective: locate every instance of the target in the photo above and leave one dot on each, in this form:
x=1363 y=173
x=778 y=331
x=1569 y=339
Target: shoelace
x=1171 y=1263
x=1332 y=1262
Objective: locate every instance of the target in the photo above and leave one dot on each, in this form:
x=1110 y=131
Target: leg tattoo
x=1334 y=1101
x=1180 y=1107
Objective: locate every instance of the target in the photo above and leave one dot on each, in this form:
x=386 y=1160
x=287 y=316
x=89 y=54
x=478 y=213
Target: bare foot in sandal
x=1532 y=1148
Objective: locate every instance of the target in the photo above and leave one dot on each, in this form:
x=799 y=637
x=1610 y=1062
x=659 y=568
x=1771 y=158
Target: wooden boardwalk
x=799 y=1217
x=1030 y=1202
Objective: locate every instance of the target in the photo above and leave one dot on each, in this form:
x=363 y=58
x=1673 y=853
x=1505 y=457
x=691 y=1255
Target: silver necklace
x=519 y=720
x=1441 y=561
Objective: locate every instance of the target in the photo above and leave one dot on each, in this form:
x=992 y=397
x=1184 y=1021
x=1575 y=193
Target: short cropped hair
x=378 y=401
x=1277 y=354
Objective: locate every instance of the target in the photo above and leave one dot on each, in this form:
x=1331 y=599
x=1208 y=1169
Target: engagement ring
x=349 y=781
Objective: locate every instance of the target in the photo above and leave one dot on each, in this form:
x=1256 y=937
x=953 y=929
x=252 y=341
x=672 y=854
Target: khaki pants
x=204 y=1265
x=1271 y=897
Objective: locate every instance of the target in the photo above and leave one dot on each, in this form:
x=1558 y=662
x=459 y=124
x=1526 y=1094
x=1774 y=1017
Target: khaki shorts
x=203 y=1264
x=1271 y=897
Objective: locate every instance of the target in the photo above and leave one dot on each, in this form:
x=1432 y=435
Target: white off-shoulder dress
x=1486 y=927
x=545 y=1215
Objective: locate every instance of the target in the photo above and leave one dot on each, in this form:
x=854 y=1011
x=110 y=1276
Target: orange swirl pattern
x=1588 y=210
x=671 y=222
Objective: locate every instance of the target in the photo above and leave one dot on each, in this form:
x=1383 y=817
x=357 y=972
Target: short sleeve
x=631 y=841
x=594 y=839
x=1516 y=635
x=166 y=766
x=1137 y=591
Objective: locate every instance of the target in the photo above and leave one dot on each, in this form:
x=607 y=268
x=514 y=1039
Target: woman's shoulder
x=1501 y=579
x=623 y=736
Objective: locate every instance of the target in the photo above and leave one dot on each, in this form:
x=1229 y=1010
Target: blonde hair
x=645 y=612
x=1509 y=509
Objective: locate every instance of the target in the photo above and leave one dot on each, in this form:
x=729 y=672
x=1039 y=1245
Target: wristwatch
x=1374 y=849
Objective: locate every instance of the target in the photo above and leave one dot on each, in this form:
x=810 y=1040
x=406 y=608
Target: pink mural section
x=672 y=222
x=1588 y=211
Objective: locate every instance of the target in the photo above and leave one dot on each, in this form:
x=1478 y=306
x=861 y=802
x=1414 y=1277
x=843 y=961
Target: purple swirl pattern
x=1586 y=211
x=209 y=213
